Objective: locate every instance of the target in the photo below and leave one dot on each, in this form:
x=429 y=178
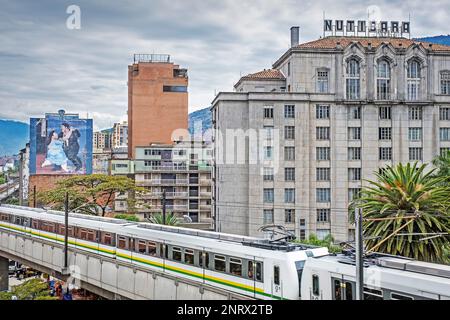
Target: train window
x=219 y=263
x=372 y=294
x=151 y=246
x=258 y=271
x=276 y=275
x=348 y=291
x=106 y=238
x=337 y=290
x=35 y=224
x=236 y=267
x=82 y=234
x=142 y=247
x=315 y=285
x=398 y=296
x=4 y=217
x=189 y=256
x=176 y=254
x=250 y=270
x=123 y=243
x=91 y=235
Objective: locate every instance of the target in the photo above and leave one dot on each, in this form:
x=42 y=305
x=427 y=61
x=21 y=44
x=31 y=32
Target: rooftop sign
x=366 y=28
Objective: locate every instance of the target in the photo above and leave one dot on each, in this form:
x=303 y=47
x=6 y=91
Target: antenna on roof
x=324 y=22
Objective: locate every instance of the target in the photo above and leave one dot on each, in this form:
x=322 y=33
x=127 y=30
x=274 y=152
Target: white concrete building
x=329 y=114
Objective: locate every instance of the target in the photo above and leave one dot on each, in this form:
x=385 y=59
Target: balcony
x=155 y=182
x=205 y=182
x=169 y=207
x=205 y=194
x=158 y=195
x=205 y=207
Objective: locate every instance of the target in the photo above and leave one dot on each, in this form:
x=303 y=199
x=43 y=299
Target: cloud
x=45 y=66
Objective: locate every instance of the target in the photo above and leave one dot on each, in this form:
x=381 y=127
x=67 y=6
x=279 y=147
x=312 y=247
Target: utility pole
x=34 y=196
x=359 y=255
x=66 y=231
x=164 y=206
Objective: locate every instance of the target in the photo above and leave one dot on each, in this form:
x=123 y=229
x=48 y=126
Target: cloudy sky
x=44 y=66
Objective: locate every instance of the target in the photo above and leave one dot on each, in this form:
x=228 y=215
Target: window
x=415 y=154
x=189 y=256
x=322 y=81
x=445 y=151
x=268 y=112
x=385 y=113
x=444 y=114
x=250 y=269
x=354 y=174
x=151 y=246
x=302 y=234
x=354 y=133
x=268 y=132
x=289 y=153
x=268 y=174
x=323 y=133
x=352 y=80
x=353 y=193
x=176 y=254
x=268 y=195
x=397 y=296
x=315 y=285
x=289 y=174
x=323 y=195
x=323 y=174
x=445 y=134
x=372 y=294
x=289 y=111
x=354 y=153
x=174 y=88
x=385 y=133
x=219 y=263
x=268 y=153
x=385 y=153
x=236 y=267
x=289 y=216
x=415 y=113
x=413 y=80
x=289 y=132
x=302 y=222
x=383 y=80
x=323 y=215
x=123 y=243
x=322 y=233
x=322 y=112
x=415 y=134
x=142 y=246
x=289 y=69
x=268 y=216
x=354 y=113
x=445 y=82
x=276 y=275
x=289 y=195
x=322 y=153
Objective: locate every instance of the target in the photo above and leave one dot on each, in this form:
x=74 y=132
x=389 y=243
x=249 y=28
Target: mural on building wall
x=61 y=144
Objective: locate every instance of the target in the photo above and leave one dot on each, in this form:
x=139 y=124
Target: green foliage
x=128 y=217
x=2 y=179
x=442 y=164
x=34 y=289
x=13 y=201
x=89 y=194
x=171 y=219
x=328 y=242
x=406 y=191
x=5 y=296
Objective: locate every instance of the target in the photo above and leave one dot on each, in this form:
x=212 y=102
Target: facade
x=328 y=115
x=182 y=170
x=102 y=140
x=120 y=135
x=24 y=173
x=157 y=101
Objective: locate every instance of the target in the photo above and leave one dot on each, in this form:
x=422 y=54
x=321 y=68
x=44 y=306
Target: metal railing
x=146 y=57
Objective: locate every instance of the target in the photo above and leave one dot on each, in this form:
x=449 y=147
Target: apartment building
x=329 y=114
x=120 y=135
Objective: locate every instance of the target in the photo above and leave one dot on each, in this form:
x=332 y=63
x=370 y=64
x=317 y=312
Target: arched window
x=353 y=79
x=445 y=82
x=383 y=80
x=413 y=80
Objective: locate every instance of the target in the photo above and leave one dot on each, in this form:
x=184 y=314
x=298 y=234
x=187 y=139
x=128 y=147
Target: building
x=329 y=114
x=182 y=170
x=103 y=139
x=120 y=135
x=24 y=173
x=157 y=101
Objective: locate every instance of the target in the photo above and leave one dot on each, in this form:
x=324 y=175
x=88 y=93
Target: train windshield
x=299 y=265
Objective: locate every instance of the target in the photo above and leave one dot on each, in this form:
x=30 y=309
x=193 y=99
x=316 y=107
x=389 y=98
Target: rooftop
x=266 y=74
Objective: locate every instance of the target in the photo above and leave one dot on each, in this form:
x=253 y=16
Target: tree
x=34 y=289
x=442 y=164
x=89 y=194
x=171 y=219
x=406 y=200
x=328 y=242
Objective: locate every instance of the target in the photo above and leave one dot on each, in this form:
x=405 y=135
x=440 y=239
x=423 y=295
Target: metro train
x=249 y=266
x=253 y=267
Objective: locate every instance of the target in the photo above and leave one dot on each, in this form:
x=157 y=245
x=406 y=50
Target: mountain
x=200 y=119
x=445 y=40
x=13 y=136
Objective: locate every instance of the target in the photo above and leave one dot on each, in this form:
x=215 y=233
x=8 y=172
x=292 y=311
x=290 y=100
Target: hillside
x=13 y=136
x=200 y=118
x=444 y=40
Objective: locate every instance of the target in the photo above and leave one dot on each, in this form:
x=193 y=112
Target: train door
x=204 y=262
x=342 y=289
x=277 y=289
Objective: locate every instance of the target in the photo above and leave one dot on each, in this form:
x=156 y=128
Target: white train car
x=385 y=278
x=248 y=266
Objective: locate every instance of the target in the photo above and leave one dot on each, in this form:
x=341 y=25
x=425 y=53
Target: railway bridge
x=107 y=277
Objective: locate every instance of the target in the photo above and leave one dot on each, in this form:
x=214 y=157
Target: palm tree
x=442 y=164
x=171 y=219
x=408 y=198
